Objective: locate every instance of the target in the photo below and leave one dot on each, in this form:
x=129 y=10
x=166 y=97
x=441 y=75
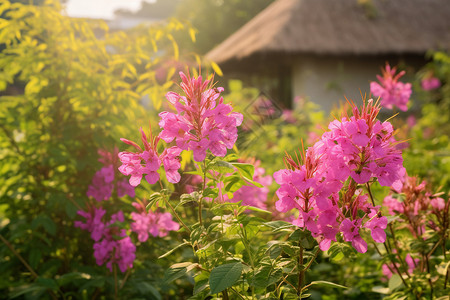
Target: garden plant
x=123 y=178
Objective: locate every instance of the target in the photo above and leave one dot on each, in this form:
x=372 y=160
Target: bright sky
x=103 y=9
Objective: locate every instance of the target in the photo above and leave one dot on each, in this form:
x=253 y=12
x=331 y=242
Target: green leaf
x=47 y=283
x=224 y=276
x=46 y=222
x=394 y=282
x=148 y=290
x=71 y=209
x=97 y=282
x=211 y=193
x=337 y=256
x=200 y=286
x=22 y=290
x=258 y=210
x=329 y=284
x=187 y=198
x=231 y=157
x=381 y=290
x=177 y=271
x=72 y=277
x=172 y=250
x=155 y=197
x=304 y=237
x=221 y=166
x=233 y=183
x=279 y=225
x=246 y=170
x=34 y=257
x=274 y=249
x=261 y=278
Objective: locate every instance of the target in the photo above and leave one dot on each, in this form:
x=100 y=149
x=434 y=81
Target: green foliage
x=224 y=276
x=68 y=88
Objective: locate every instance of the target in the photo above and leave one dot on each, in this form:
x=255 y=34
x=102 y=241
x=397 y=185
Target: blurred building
x=328 y=49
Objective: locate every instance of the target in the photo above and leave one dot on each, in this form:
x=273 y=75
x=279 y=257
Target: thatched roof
x=341 y=27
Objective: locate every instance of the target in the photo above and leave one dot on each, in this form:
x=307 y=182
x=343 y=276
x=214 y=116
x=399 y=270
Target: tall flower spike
x=202 y=122
x=391 y=91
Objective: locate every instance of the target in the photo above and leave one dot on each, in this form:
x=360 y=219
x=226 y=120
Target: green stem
x=395 y=266
x=200 y=201
x=125 y=279
x=398 y=251
x=249 y=252
x=176 y=215
x=239 y=295
x=381 y=255
x=225 y=294
x=13 y=250
x=312 y=260
x=370 y=194
x=386 y=246
x=301 y=272
x=200 y=220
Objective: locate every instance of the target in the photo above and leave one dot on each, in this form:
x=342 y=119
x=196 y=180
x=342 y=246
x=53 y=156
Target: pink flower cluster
x=359 y=148
x=102 y=185
x=416 y=206
x=202 y=122
x=148 y=161
x=155 y=223
x=391 y=91
x=112 y=244
x=430 y=83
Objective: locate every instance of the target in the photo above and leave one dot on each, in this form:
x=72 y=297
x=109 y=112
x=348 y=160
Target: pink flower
x=202 y=122
x=155 y=223
x=416 y=206
x=107 y=247
x=288 y=116
x=357 y=147
x=199 y=149
x=438 y=203
x=377 y=224
x=147 y=162
x=411 y=121
x=393 y=205
x=102 y=184
x=430 y=83
x=93 y=223
x=390 y=90
x=124 y=188
x=350 y=232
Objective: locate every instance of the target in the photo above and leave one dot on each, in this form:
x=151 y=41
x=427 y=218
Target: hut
x=328 y=49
